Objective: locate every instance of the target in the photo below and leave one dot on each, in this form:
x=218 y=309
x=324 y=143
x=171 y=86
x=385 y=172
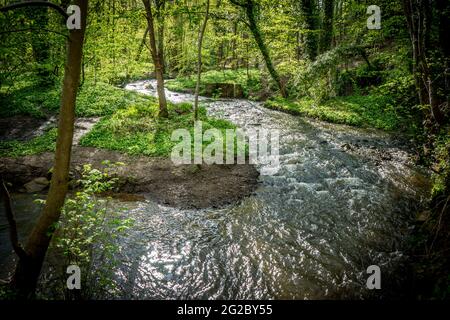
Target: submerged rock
x=36 y=185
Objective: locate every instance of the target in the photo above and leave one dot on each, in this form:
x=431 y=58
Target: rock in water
x=36 y=185
x=423 y=216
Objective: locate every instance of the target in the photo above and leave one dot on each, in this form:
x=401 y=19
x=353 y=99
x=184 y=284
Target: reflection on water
x=310 y=231
x=344 y=199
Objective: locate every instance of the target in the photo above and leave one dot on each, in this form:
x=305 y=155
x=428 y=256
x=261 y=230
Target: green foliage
x=441 y=176
x=88 y=231
x=93 y=100
x=28 y=44
x=27 y=97
x=113 y=52
x=363 y=111
x=250 y=83
x=137 y=129
x=104 y=99
x=43 y=143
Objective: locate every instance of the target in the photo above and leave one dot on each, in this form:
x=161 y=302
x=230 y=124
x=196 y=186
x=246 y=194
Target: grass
x=362 y=111
x=249 y=84
x=28 y=98
x=136 y=130
x=43 y=143
x=130 y=122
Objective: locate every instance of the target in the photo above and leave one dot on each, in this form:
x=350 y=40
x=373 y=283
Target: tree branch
x=12 y=223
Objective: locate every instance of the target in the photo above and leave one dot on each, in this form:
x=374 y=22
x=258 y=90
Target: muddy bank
x=23 y=127
x=186 y=186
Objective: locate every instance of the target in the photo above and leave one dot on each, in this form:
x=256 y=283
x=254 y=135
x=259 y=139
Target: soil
x=21 y=128
x=185 y=186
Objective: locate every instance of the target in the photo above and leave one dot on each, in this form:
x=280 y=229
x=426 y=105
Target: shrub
x=87 y=235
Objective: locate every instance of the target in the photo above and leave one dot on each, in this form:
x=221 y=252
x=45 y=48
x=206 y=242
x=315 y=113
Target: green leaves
x=249 y=82
x=137 y=130
x=88 y=229
x=362 y=111
x=43 y=143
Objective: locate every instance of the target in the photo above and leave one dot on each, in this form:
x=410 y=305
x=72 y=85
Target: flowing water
x=343 y=199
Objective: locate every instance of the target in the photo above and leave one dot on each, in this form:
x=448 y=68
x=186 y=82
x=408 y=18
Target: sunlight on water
x=310 y=231
x=343 y=199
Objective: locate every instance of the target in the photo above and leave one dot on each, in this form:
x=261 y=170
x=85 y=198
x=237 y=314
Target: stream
x=344 y=198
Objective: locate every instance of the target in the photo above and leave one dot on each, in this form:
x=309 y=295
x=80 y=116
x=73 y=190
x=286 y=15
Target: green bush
x=87 y=232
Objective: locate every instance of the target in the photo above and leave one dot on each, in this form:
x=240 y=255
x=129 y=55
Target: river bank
x=184 y=186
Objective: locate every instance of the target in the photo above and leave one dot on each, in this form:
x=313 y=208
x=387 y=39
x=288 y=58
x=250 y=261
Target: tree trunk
x=234 y=58
x=201 y=33
x=307 y=7
x=28 y=269
x=157 y=60
x=141 y=46
x=13 y=235
x=160 y=30
x=418 y=19
x=249 y=7
x=327 y=25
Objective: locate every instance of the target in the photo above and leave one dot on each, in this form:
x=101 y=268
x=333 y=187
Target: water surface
x=344 y=199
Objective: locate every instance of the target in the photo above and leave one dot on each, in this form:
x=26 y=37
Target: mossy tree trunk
x=250 y=10
x=327 y=25
x=310 y=21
